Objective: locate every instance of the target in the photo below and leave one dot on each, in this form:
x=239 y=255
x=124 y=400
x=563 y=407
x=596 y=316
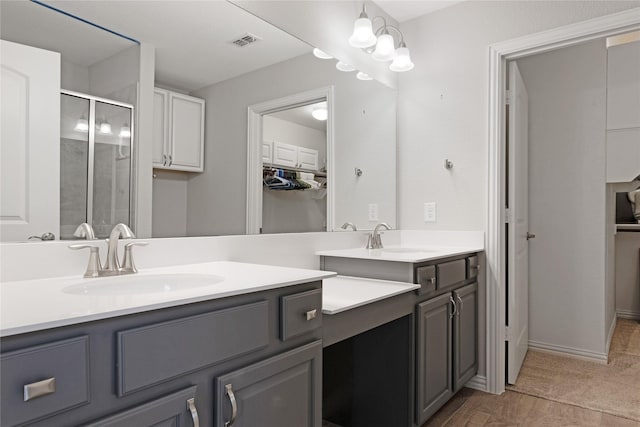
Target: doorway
x=496 y=248
x=267 y=158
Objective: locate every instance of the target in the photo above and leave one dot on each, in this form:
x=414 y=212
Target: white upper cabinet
x=267 y=152
x=178 y=131
x=293 y=156
x=623 y=112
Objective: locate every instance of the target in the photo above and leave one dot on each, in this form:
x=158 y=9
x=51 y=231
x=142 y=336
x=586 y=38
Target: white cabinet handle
x=234 y=405
x=40 y=388
x=191 y=406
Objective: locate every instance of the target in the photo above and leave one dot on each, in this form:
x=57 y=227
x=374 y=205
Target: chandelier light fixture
x=380 y=44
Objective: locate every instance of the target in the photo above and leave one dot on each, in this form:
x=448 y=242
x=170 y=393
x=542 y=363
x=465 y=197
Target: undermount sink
x=142 y=284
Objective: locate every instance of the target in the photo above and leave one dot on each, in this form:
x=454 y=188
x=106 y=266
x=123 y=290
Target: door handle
x=530 y=236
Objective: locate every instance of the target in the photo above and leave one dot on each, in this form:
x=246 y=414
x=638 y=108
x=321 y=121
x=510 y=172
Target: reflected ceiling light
x=345 y=67
x=105 y=128
x=82 y=125
x=362 y=31
x=402 y=61
x=320 y=113
x=125 y=131
x=383 y=47
x=363 y=76
x=320 y=54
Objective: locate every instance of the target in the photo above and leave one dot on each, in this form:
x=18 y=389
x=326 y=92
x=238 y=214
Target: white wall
x=169 y=204
x=74 y=77
x=567 y=200
x=443 y=102
x=628 y=274
x=365 y=129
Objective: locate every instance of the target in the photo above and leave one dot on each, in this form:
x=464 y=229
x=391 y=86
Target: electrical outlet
x=430 y=212
x=373 y=211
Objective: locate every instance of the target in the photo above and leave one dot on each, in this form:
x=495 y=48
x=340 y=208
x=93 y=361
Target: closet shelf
x=316 y=173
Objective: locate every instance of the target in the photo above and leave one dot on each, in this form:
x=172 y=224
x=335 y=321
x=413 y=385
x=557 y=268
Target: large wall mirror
x=215 y=56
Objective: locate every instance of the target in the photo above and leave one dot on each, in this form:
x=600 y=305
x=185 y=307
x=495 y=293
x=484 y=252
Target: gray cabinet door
x=434 y=370
x=282 y=391
x=169 y=411
x=465 y=332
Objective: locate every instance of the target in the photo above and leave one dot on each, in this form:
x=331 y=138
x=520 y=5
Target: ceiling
x=302 y=116
x=403 y=10
x=192 y=39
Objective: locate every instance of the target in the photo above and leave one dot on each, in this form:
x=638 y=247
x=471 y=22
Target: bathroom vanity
x=228 y=343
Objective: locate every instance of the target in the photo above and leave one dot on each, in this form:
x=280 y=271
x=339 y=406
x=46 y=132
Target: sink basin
x=405 y=250
x=142 y=284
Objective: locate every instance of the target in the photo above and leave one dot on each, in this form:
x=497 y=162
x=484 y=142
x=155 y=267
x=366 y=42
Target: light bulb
x=363 y=76
x=125 y=131
x=319 y=113
x=82 y=125
x=362 y=33
x=320 y=54
x=105 y=128
x=344 y=67
x=385 y=50
x=402 y=61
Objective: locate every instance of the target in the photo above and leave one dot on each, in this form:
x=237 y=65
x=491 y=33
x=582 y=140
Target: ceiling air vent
x=245 y=40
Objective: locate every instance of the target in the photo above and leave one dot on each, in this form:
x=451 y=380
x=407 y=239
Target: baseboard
x=612 y=328
x=478 y=382
x=628 y=314
x=576 y=353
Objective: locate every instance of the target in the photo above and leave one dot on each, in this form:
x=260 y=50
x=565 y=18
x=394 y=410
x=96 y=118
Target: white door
x=308 y=158
x=29 y=142
x=186 y=131
x=518 y=227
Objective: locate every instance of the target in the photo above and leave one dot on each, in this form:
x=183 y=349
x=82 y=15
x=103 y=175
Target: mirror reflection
x=205 y=80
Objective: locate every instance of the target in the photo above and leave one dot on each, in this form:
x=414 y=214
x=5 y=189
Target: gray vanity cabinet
x=176 y=409
x=447 y=348
x=283 y=391
x=434 y=356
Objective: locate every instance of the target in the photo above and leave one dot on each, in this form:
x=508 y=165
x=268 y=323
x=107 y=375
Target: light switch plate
x=430 y=214
x=373 y=211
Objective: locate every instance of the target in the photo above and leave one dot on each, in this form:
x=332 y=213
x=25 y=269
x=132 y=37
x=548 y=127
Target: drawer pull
x=40 y=388
x=234 y=405
x=311 y=314
x=191 y=406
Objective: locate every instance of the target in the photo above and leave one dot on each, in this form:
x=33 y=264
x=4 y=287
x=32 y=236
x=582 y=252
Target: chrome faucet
x=349 y=225
x=375 y=241
x=112 y=265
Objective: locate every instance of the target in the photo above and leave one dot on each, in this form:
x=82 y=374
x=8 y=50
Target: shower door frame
x=91 y=148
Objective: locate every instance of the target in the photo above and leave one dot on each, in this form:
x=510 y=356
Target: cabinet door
x=177 y=409
x=465 y=332
x=186 y=133
x=285 y=155
x=283 y=391
x=434 y=370
x=159 y=147
x=308 y=158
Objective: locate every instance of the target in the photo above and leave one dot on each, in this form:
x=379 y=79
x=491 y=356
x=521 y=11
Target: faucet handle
x=94 y=268
x=128 y=265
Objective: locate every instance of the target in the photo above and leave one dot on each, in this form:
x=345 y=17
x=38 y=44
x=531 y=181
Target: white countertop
x=401 y=253
x=32 y=305
x=343 y=293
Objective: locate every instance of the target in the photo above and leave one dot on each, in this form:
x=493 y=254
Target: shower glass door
x=95 y=163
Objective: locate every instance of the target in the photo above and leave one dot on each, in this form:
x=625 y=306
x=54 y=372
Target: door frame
x=254 y=151
x=499 y=54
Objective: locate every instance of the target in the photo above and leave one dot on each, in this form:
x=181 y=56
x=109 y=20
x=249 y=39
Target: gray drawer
x=300 y=313
x=162 y=351
x=450 y=273
x=55 y=375
x=426 y=278
x=473 y=266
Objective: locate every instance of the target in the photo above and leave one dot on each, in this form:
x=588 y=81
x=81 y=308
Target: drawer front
x=43 y=380
x=426 y=278
x=300 y=313
x=450 y=273
x=473 y=266
x=162 y=351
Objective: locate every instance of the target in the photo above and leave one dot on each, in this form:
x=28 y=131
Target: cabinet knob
x=311 y=314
